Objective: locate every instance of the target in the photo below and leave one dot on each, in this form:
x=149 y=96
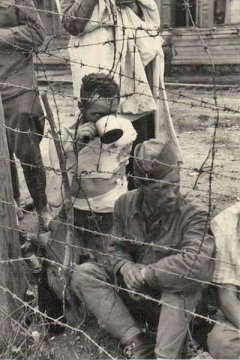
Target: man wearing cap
x=160 y=259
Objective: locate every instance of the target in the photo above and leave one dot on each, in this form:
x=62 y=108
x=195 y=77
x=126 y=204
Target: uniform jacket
x=21 y=32
x=176 y=251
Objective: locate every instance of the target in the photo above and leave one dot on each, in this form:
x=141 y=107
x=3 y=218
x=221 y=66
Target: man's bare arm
x=230 y=304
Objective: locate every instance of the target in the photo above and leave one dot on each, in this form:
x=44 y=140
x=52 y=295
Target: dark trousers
x=88 y=244
x=91 y=232
x=24 y=129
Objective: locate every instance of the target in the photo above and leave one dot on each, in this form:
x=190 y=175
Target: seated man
x=224 y=339
x=160 y=248
x=97 y=170
x=97 y=173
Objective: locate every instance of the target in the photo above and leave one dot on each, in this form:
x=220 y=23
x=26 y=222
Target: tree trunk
x=11 y=273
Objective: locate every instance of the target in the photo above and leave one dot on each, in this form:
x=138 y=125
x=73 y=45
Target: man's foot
x=27 y=205
x=140 y=348
x=44 y=219
x=18 y=211
x=20 y=214
x=21 y=206
x=24 y=204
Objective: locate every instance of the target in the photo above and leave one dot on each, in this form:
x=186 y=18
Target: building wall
x=222 y=40
x=218 y=23
x=220 y=46
x=50 y=20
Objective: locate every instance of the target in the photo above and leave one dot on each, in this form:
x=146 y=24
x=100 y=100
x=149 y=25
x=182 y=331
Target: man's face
x=98 y=108
x=163 y=196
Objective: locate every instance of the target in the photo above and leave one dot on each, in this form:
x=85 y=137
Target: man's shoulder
x=225 y=225
x=128 y=199
x=232 y=212
x=128 y=196
x=190 y=203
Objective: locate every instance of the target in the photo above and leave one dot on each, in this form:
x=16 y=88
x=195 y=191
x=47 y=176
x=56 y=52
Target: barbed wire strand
x=209 y=171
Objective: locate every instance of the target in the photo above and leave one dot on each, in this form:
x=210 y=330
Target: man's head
x=99 y=96
x=157 y=174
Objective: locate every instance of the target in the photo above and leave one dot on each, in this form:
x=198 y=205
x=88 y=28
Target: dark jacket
x=21 y=32
x=176 y=251
x=76 y=14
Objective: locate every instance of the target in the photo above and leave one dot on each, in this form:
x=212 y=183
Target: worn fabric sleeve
x=29 y=34
x=118 y=247
x=76 y=14
x=226 y=229
x=177 y=272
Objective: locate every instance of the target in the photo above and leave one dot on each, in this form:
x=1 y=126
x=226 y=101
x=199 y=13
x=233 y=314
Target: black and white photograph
x=119 y=179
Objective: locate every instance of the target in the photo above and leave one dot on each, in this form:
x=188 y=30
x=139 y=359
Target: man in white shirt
x=97 y=171
x=224 y=339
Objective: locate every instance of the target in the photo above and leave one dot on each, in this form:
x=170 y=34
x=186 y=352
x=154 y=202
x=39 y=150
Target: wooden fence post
x=11 y=274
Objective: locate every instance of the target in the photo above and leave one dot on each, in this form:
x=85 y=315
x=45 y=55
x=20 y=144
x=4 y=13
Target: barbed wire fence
x=209 y=196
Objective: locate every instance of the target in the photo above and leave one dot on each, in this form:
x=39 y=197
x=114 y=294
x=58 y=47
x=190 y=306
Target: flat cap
x=154 y=159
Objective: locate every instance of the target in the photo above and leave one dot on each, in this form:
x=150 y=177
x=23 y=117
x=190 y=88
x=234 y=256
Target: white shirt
x=226 y=229
x=108 y=163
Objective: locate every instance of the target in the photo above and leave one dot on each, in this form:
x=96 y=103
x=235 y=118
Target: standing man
x=103 y=38
x=122 y=38
x=224 y=339
x=21 y=33
x=161 y=248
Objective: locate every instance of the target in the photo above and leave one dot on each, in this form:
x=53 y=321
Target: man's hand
x=88 y=129
x=132 y=276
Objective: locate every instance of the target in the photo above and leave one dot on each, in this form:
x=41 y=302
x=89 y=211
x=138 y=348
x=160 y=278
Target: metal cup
x=108 y=129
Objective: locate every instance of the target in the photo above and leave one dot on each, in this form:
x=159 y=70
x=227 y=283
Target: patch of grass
x=203 y=118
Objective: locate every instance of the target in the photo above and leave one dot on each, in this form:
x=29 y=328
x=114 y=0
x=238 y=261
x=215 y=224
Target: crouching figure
x=159 y=259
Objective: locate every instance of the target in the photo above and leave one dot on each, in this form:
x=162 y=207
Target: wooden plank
x=51 y=60
x=11 y=274
x=195 y=35
x=199 y=54
x=206 y=58
x=202 y=51
x=58 y=76
x=167 y=18
x=230 y=41
x=215 y=48
x=227 y=61
x=206 y=13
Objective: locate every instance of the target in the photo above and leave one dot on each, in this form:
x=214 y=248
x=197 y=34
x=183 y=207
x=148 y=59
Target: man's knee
x=184 y=301
x=88 y=274
x=173 y=322
x=224 y=343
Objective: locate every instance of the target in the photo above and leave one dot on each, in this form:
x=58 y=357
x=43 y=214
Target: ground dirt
x=194 y=118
